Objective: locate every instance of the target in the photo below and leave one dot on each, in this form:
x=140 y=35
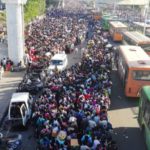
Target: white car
x=58 y=61
x=20 y=108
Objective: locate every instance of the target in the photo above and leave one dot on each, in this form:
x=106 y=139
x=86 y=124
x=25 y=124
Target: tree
x=34 y=8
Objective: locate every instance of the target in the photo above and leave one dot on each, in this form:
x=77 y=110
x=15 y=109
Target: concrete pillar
x=15 y=29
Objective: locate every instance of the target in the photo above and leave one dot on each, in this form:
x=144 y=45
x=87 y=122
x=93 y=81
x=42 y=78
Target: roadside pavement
x=8 y=85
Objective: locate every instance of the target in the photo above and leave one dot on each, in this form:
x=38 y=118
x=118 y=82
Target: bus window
x=141 y=75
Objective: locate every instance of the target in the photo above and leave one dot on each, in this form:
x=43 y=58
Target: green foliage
x=34 y=8
x=3 y=17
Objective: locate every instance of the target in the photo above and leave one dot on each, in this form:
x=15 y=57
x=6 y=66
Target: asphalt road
x=123 y=116
x=29 y=141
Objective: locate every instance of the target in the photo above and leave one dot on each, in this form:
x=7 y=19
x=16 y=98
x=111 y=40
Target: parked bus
x=144 y=114
x=116 y=30
x=133 y=66
x=138 y=39
x=139 y=26
x=105 y=21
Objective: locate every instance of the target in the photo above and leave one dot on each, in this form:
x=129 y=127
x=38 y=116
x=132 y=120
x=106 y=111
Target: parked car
x=20 y=109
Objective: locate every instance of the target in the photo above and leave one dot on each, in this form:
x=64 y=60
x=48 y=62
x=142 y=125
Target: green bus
x=106 y=19
x=144 y=114
x=105 y=22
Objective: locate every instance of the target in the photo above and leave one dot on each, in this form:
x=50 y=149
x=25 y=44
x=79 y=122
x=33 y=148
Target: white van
x=20 y=108
x=59 y=61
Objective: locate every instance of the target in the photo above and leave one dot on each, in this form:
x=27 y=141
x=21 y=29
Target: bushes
x=34 y=8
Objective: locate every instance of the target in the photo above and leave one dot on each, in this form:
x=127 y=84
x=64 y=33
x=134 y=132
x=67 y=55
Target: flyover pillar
x=15 y=29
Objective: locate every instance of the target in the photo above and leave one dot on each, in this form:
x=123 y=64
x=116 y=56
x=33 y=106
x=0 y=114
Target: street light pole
x=115 y=4
x=146 y=16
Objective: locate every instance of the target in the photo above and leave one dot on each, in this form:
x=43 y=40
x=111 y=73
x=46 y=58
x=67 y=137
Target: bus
x=144 y=114
x=105 y=21
x=96 y=14
x=133 y=66
x=116 y=30
x=138 y=39
x=139 y=26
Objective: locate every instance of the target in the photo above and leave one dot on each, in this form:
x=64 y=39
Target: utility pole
x=146 y=16
x=115 y=5
x=94 y=4
x=63 y=4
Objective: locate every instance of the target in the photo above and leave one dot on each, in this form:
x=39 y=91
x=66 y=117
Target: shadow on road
x=127 y=138
x=119 y=101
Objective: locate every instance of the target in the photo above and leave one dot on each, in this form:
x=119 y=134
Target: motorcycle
x=11 y=142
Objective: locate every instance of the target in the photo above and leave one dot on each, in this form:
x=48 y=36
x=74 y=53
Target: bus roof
x=137 y=37
x=142 y=24
x=118 y=24
x=135 y=56
x=146 y=90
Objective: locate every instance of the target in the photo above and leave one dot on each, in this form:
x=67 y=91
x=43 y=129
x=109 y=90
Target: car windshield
x=15 y=110
x=57 y=62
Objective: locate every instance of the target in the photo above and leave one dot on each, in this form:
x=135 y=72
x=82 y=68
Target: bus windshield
x=141 y=75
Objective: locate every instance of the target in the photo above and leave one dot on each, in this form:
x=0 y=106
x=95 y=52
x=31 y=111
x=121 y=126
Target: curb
x=4 y=116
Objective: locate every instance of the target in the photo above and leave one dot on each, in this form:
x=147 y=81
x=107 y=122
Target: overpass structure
x=15 y=29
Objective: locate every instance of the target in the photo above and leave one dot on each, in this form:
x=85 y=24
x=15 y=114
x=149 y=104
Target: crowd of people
x=130 y=14
x=57 y=31
x=71 y=111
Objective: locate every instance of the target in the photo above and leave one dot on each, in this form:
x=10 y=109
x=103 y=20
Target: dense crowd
x=130 y=14
x=57 y=31
x=71 y=111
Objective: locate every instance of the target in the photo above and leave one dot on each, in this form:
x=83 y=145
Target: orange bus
x=116 y=30
x=138 y=39
x=133 y=66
